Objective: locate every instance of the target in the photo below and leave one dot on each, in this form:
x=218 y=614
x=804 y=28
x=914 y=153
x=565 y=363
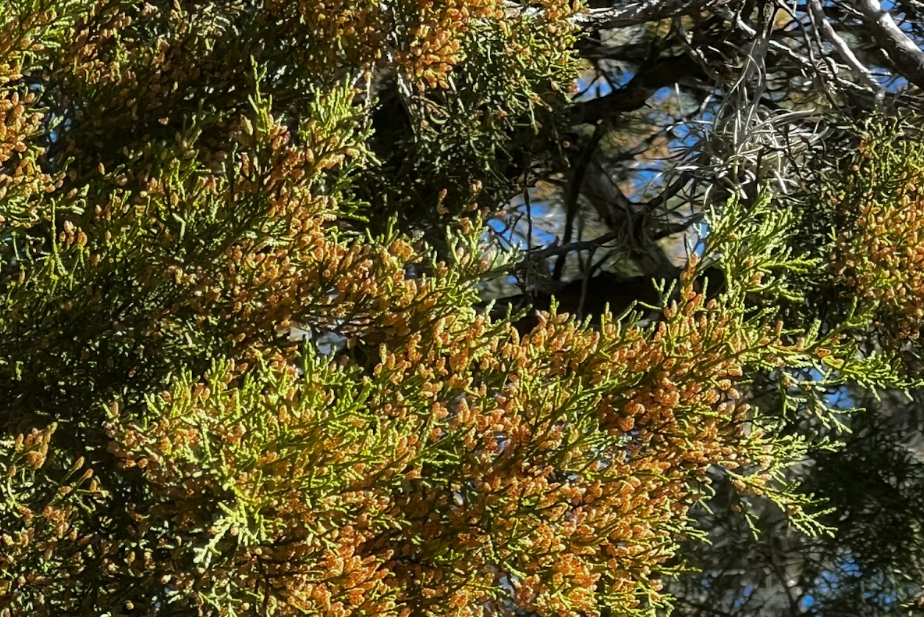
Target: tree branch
x=827 y=31
x=642 y=87
x=905 y=54
x=574 y=192
x=639 y=12
x=570 y=247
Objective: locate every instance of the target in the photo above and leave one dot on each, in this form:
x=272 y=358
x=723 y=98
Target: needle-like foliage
x=242 y=371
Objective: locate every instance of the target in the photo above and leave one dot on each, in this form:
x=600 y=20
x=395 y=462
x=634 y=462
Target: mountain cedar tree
x=244 y=364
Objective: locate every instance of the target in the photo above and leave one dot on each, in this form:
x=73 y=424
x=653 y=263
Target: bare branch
x=570 y=247
x=907 y=56
x=639 y=12
x=574 y=190
x=634 y=95
x=828 y=32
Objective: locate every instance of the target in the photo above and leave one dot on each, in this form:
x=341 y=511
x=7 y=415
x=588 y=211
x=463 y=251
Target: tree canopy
x=461 y=308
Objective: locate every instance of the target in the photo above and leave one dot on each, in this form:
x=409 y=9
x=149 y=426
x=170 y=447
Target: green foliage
x=855 y=228
x=241 y=373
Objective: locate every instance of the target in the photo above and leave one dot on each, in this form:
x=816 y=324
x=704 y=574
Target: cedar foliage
x=860 y=220
x=185 y=185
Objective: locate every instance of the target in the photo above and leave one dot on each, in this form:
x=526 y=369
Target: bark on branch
x=828 y=32
x=905 y=54
x=632 y=96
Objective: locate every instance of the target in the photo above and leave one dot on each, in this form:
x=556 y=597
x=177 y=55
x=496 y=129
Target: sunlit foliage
x=232 y=384
x=880 y=252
